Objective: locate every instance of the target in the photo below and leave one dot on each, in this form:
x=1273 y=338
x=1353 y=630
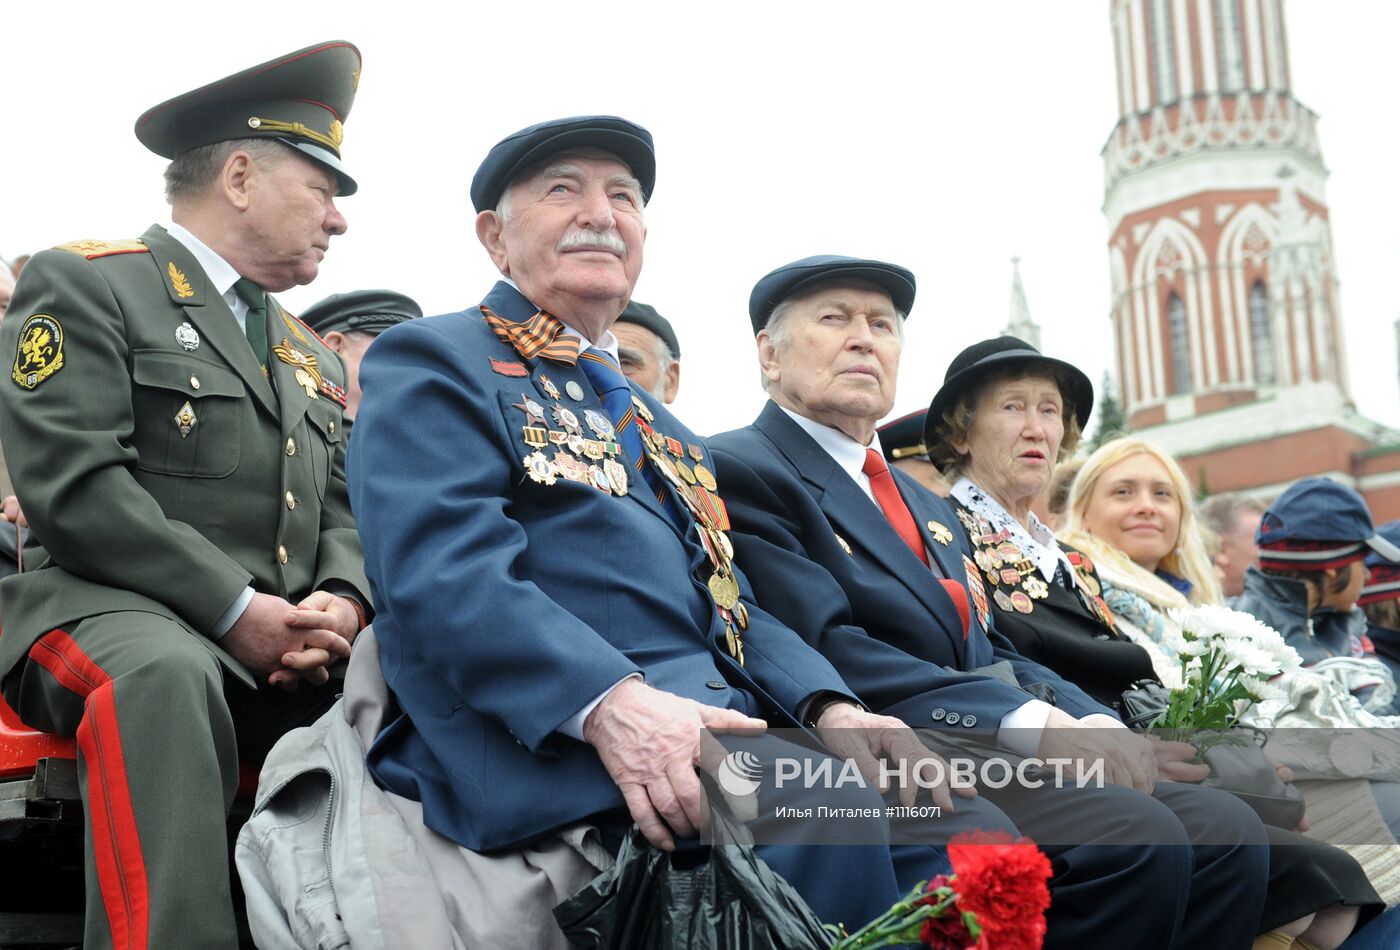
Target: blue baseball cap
x=1317 y=524
x=778 y=285
x=518 y=153
x=1384 y=582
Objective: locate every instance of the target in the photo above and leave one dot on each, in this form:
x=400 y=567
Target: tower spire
x=1020 y=324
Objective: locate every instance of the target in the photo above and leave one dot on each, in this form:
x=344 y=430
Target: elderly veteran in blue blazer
x=560 y=616
x=874 y=571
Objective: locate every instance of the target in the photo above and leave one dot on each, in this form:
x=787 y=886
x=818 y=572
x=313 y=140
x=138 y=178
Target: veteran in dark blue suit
x=559 y=614
x=876 y=573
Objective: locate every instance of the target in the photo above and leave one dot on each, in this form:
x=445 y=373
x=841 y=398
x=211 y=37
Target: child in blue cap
x=1313 y=546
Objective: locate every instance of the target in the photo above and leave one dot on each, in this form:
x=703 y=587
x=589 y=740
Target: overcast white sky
x=945 y=136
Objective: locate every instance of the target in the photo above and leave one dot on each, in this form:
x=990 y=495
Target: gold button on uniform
x=291 y=447
x=194 y=382
x=281 y=554
x=291 y=502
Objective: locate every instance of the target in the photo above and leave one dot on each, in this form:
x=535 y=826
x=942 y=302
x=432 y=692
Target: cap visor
x=315 y=152
x=1384 y=548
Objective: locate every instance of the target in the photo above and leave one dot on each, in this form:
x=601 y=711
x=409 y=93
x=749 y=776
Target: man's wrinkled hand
x=1174 y=761
x=1128 y=757
x=850 y=732
x=650 y=741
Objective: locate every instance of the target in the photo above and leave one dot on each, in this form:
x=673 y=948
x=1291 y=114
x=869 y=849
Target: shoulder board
x=95 y=249
x=296 y=325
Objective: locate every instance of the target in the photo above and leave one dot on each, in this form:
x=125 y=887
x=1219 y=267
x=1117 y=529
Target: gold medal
x=305 y=381
x=704 y=477
x=741 y=614
x=940 y=532
x=641 y=408
x=572 y=468
x=684 y=470
x=731 y=640
x=1088 y=582
x=1021 y=602
x=724 y=589
x=540 y=469
x=617 y=475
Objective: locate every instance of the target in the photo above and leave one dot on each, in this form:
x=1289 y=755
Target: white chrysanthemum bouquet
x=1227 y=659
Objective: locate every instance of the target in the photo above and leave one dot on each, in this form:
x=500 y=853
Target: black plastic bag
x=733 y=901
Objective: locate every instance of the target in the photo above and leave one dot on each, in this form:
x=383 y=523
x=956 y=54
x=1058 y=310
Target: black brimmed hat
x=518 y=153
x=972 y=365
x=778 y=285
x=301 y=100
x=369 y=311
x=646 y=316
x=903 y=438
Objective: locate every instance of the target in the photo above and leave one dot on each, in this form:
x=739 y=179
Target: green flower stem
x=901 y=923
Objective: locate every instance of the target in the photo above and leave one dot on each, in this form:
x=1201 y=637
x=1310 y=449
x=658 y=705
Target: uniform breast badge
x=940 y=533
x=40 y=351
x=574 y=390
x=185 y=420
x=308 y=374
x=550 y=389
x=187 y=336
x=617 y=476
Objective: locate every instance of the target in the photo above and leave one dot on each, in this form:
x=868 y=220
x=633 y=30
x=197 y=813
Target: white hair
x=193 y=171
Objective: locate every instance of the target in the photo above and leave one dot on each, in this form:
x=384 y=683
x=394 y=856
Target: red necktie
x=887 y=497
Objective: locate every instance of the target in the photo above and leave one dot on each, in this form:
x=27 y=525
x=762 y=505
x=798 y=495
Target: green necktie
x=255 y=323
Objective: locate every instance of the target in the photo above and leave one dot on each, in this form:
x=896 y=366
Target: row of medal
x=571 y=455
x=597 y=462
x=696 y=486
x=1005 y=565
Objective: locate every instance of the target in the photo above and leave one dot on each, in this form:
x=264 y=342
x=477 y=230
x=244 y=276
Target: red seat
x=22 y=747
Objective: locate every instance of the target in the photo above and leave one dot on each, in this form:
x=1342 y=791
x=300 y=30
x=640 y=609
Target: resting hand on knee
x=650 y=741
x=1128 y=758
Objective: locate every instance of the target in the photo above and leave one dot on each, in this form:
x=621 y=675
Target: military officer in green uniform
x=176 y=439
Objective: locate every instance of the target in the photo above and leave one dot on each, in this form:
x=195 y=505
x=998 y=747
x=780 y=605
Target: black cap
x=645 y=316
x=370 y=311
x=972 y=365
x=301 y=100
x=903 y=438
x=778 y=285
x=517 y=153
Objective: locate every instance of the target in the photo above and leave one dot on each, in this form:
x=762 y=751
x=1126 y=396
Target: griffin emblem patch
x=40 y=352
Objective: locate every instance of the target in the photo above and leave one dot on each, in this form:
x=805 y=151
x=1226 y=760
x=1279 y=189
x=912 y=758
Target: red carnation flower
x=1004 y=882
x=949 y=933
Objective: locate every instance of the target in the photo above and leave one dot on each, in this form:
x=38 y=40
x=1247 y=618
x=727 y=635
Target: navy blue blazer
x=505 y=604
x=869 y=605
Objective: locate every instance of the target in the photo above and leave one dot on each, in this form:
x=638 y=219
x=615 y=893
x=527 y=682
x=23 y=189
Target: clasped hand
x=288 y=643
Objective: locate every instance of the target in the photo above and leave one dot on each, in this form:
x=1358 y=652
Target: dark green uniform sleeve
x=66 y=422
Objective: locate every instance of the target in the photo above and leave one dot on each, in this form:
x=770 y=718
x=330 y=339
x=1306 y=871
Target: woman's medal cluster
x=1005 y=565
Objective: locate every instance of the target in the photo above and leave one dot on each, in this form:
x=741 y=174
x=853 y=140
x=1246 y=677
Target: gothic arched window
x=1180 y=345
x=1261 y=339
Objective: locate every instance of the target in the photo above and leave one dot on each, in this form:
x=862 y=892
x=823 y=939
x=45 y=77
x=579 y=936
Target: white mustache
x=601 y=240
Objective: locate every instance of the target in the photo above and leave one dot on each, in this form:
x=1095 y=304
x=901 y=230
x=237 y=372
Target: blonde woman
x=1131 y=510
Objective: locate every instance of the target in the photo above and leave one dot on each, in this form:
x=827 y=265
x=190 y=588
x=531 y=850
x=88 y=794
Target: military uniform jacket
x=1070 y=631
x=510 y=597
x=151 y=454
x=824 y=560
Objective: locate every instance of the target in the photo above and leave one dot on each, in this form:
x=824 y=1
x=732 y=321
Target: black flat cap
x=778 y=285
x=903 y=438
x=370 y=311
x=645 y=316
x=517 y=153
x=301 y=99
x=973 y=364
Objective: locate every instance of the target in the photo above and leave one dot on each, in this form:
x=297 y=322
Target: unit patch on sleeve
x=40 y=352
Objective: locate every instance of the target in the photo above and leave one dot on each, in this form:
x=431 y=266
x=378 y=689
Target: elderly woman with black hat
x=1004 y=418
x=1006 y=415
